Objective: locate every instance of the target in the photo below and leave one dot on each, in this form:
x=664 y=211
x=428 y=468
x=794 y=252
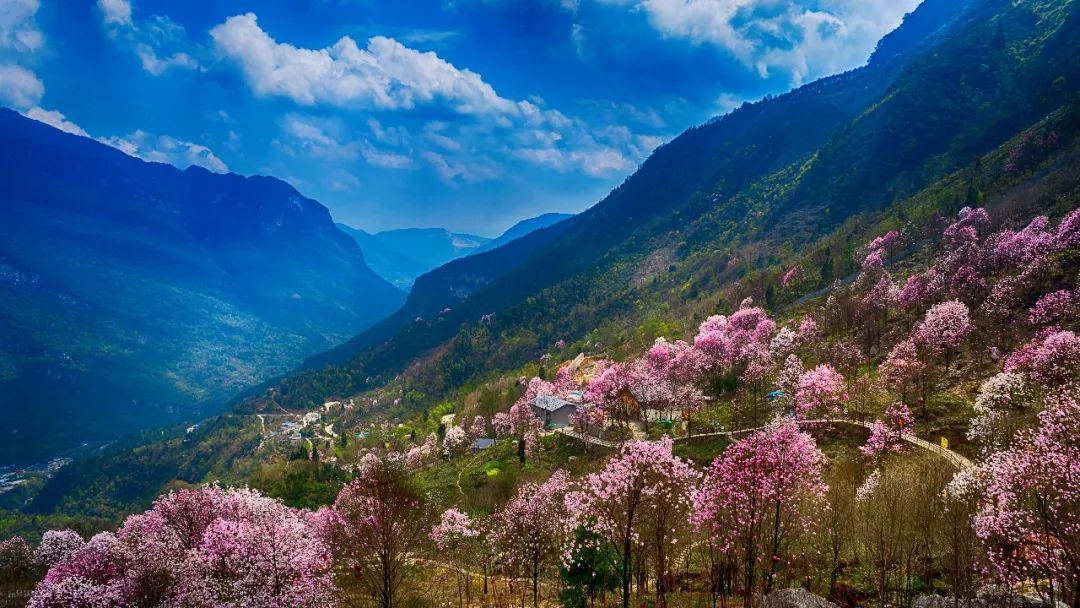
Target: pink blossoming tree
x=643 y=484
x=758 y=495
x=821 y=391
x=529 y=529
x=1029 y=517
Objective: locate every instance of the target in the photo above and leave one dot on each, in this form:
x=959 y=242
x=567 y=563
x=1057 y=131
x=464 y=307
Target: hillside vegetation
x=134 y=294
x=827 y=341
x=728 y=199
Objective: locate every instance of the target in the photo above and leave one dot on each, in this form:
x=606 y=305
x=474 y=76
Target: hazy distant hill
x=387 y=262
x=400 y=256
x=522 y=228
x=432 y=247
x=132 y=293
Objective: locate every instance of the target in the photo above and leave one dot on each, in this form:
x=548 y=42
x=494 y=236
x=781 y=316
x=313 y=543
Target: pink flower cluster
x=945 y=326
x=453 y=528
x=205 y=547
x=821 y=391
x=792 y=276
x=776 y=471
x=1029 y=516
x=1052 y=307
x=887 y=435
x=1052 y=359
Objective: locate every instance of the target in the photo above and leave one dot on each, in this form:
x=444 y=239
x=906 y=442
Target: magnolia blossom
x=375 y=527
x=887 y=435
x=866 y=489
x=736 y=340
x=884 y=242
x=1052 y=307
x=16 y=558
x=201 y=548
x=808 y=330
x=607 y=386
x=902 y=366
x=1067 y=234
x=414 y=458
x=882 y=296
x=478 y=428
x=532 y=443
x=528 y=530
x=57 y=546
x=455 y=440
x=792 y=276
x=643 y=482
x=821 y=390
x=912 y=293
x=783 y=343
x=976 y=220
x=500 y=423
x=999 y=399
x=770 y=481
x=945 y=326
x=453 y=528
x=790 y=373
x=1052 y=360
x=845 y=355
x=1029 y=517
x=1008 y=249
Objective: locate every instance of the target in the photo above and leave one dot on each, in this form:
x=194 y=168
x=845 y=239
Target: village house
x=555 y=412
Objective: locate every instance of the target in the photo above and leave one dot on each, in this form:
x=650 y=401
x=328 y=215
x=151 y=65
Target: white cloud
x=314 y=139
x=343 y=181
x=166 y=149
x=386 y=74
x=451 y=170
x=156 y=65
x=19 y=87
x=115 y=12
x=806 y=39
x=434 y=131
x=203 y=157
x=577 y=37
x=18 y=28
x=601 y=161
x=154 y=40
x=394 y=136
x=383 y=158
x=597 y=152
x=55 y=119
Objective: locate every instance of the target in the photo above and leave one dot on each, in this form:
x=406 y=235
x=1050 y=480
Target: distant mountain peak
x=401 y=255
x=191 y=286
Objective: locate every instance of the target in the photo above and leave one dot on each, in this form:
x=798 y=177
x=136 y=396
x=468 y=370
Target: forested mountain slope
x=133 y=292
x=955 y=80
x=754 y=205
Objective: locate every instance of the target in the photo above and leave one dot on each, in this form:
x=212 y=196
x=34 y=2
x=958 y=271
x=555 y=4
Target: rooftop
x=550 y=403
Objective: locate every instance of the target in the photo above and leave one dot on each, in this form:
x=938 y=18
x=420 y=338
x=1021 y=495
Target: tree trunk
x=535 y=582
x=775 y=549
x=748 y=584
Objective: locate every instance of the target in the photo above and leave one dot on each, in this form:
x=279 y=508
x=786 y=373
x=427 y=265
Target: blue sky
x=464 y=114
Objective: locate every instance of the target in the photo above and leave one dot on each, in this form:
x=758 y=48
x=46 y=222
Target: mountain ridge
x=389 y=253
x=766 y=170
x=157 y=292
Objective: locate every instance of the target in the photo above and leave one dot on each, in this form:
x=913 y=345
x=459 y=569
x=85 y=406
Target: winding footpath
x=957 y=460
